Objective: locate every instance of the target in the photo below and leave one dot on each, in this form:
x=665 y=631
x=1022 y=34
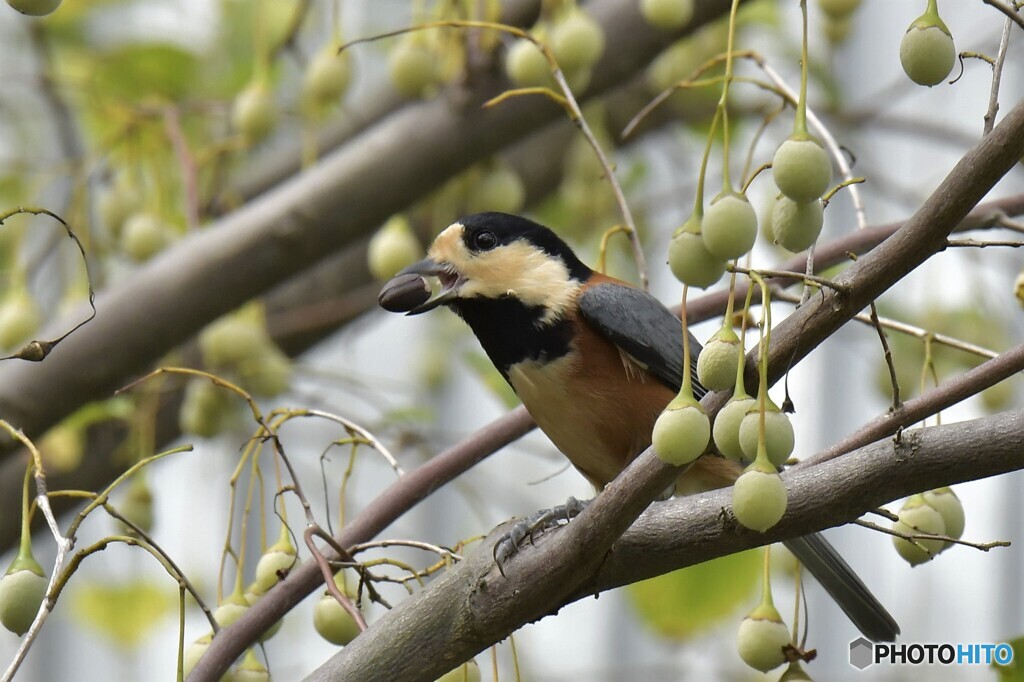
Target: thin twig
x=332 y=587
x=997 y=75
x=914 y=537
x=1010 y=13
x=887 y=352
x=980 y=244
x=820 y=281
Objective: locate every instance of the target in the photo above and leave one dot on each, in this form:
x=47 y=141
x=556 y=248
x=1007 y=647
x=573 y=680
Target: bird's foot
x=523 y=529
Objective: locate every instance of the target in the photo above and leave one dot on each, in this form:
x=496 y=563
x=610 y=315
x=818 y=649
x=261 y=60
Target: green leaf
x=133 y=72
x=125 y=612
x=680 y=604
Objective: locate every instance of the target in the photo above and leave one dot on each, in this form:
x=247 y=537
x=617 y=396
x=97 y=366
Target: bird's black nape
x=510 y=228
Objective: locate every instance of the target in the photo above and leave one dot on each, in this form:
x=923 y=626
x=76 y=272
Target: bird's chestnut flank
x=594 y=360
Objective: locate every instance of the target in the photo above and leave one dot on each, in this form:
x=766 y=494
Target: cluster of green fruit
x=255 y=112
x=330 y=619
x=702 y=247
x=936 y=512
x=238 y=347
x=576 y=42
x=140 y=233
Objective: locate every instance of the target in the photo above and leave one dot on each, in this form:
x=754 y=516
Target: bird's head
x=493 y=256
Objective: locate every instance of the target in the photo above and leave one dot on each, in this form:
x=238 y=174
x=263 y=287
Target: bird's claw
x=509 y=543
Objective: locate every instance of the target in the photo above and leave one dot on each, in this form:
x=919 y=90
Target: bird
x=593 y=359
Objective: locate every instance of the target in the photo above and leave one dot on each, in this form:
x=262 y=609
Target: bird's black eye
x=484 y=240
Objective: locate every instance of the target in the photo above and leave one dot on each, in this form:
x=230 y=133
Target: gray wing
x=643 y=328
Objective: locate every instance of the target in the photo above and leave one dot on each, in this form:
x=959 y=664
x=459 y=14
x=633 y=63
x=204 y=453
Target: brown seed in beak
x=403 y=293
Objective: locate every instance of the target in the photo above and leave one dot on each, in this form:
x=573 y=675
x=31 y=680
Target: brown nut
x=402 y=293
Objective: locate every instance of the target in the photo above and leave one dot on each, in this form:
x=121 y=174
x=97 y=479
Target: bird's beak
x=412 y=292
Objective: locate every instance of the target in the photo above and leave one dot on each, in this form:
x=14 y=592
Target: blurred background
x=145 y=124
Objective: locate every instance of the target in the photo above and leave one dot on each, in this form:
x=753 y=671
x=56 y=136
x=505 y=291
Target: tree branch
x=472 y=606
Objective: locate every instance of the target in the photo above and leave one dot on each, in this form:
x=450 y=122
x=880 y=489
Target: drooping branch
x=472 y=606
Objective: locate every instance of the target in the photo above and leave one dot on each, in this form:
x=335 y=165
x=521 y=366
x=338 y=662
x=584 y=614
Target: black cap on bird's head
x=489 y=255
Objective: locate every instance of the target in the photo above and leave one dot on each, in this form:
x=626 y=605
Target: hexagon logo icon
x=861 y=653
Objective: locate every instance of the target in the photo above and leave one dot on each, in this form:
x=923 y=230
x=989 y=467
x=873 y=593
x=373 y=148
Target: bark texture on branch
x=454 y=618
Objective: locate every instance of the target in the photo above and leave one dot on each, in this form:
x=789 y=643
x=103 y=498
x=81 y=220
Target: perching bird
x=593 y=360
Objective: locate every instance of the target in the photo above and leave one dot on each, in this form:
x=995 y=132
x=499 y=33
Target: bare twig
x=1010 y=13
x=887 y=352
x=969 y=383
x=914 y=537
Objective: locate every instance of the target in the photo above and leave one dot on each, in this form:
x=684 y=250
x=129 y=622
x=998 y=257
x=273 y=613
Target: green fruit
x=19 y=319
x=927 y=52
x=22 y=590
x=233 y=341
x=195 y=651
x=667 y=14
x=917 y=516
x=795 y=226
x=144 y=235
x=802 y=169
x=137 y=505
x=251 y=597
x=267 y=375
x=34 y=8
x=62 y=448
x=275 y=563
x=778 y=432
x=726 y=430
x=526 y=65
x=577 y=41
x=467 y=672
x=758 y=497
x=682 y=431
x=327 y=77
x=413 y=68
x=333 y=622
x=730 y=226
x=249 y=670
x=761 y=638
x=392 y=248
x=205 y=409
x=795 y=673
x=945 y=501
x=116 y=202
x=690 y=260
x=500 y=189
x=230 y=610
x=838 y=30
x=1018 y=288
x=838 y=9
x=254 y=113
x=718 y=360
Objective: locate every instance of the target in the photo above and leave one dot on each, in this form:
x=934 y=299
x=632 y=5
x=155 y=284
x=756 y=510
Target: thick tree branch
x=455 y=615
